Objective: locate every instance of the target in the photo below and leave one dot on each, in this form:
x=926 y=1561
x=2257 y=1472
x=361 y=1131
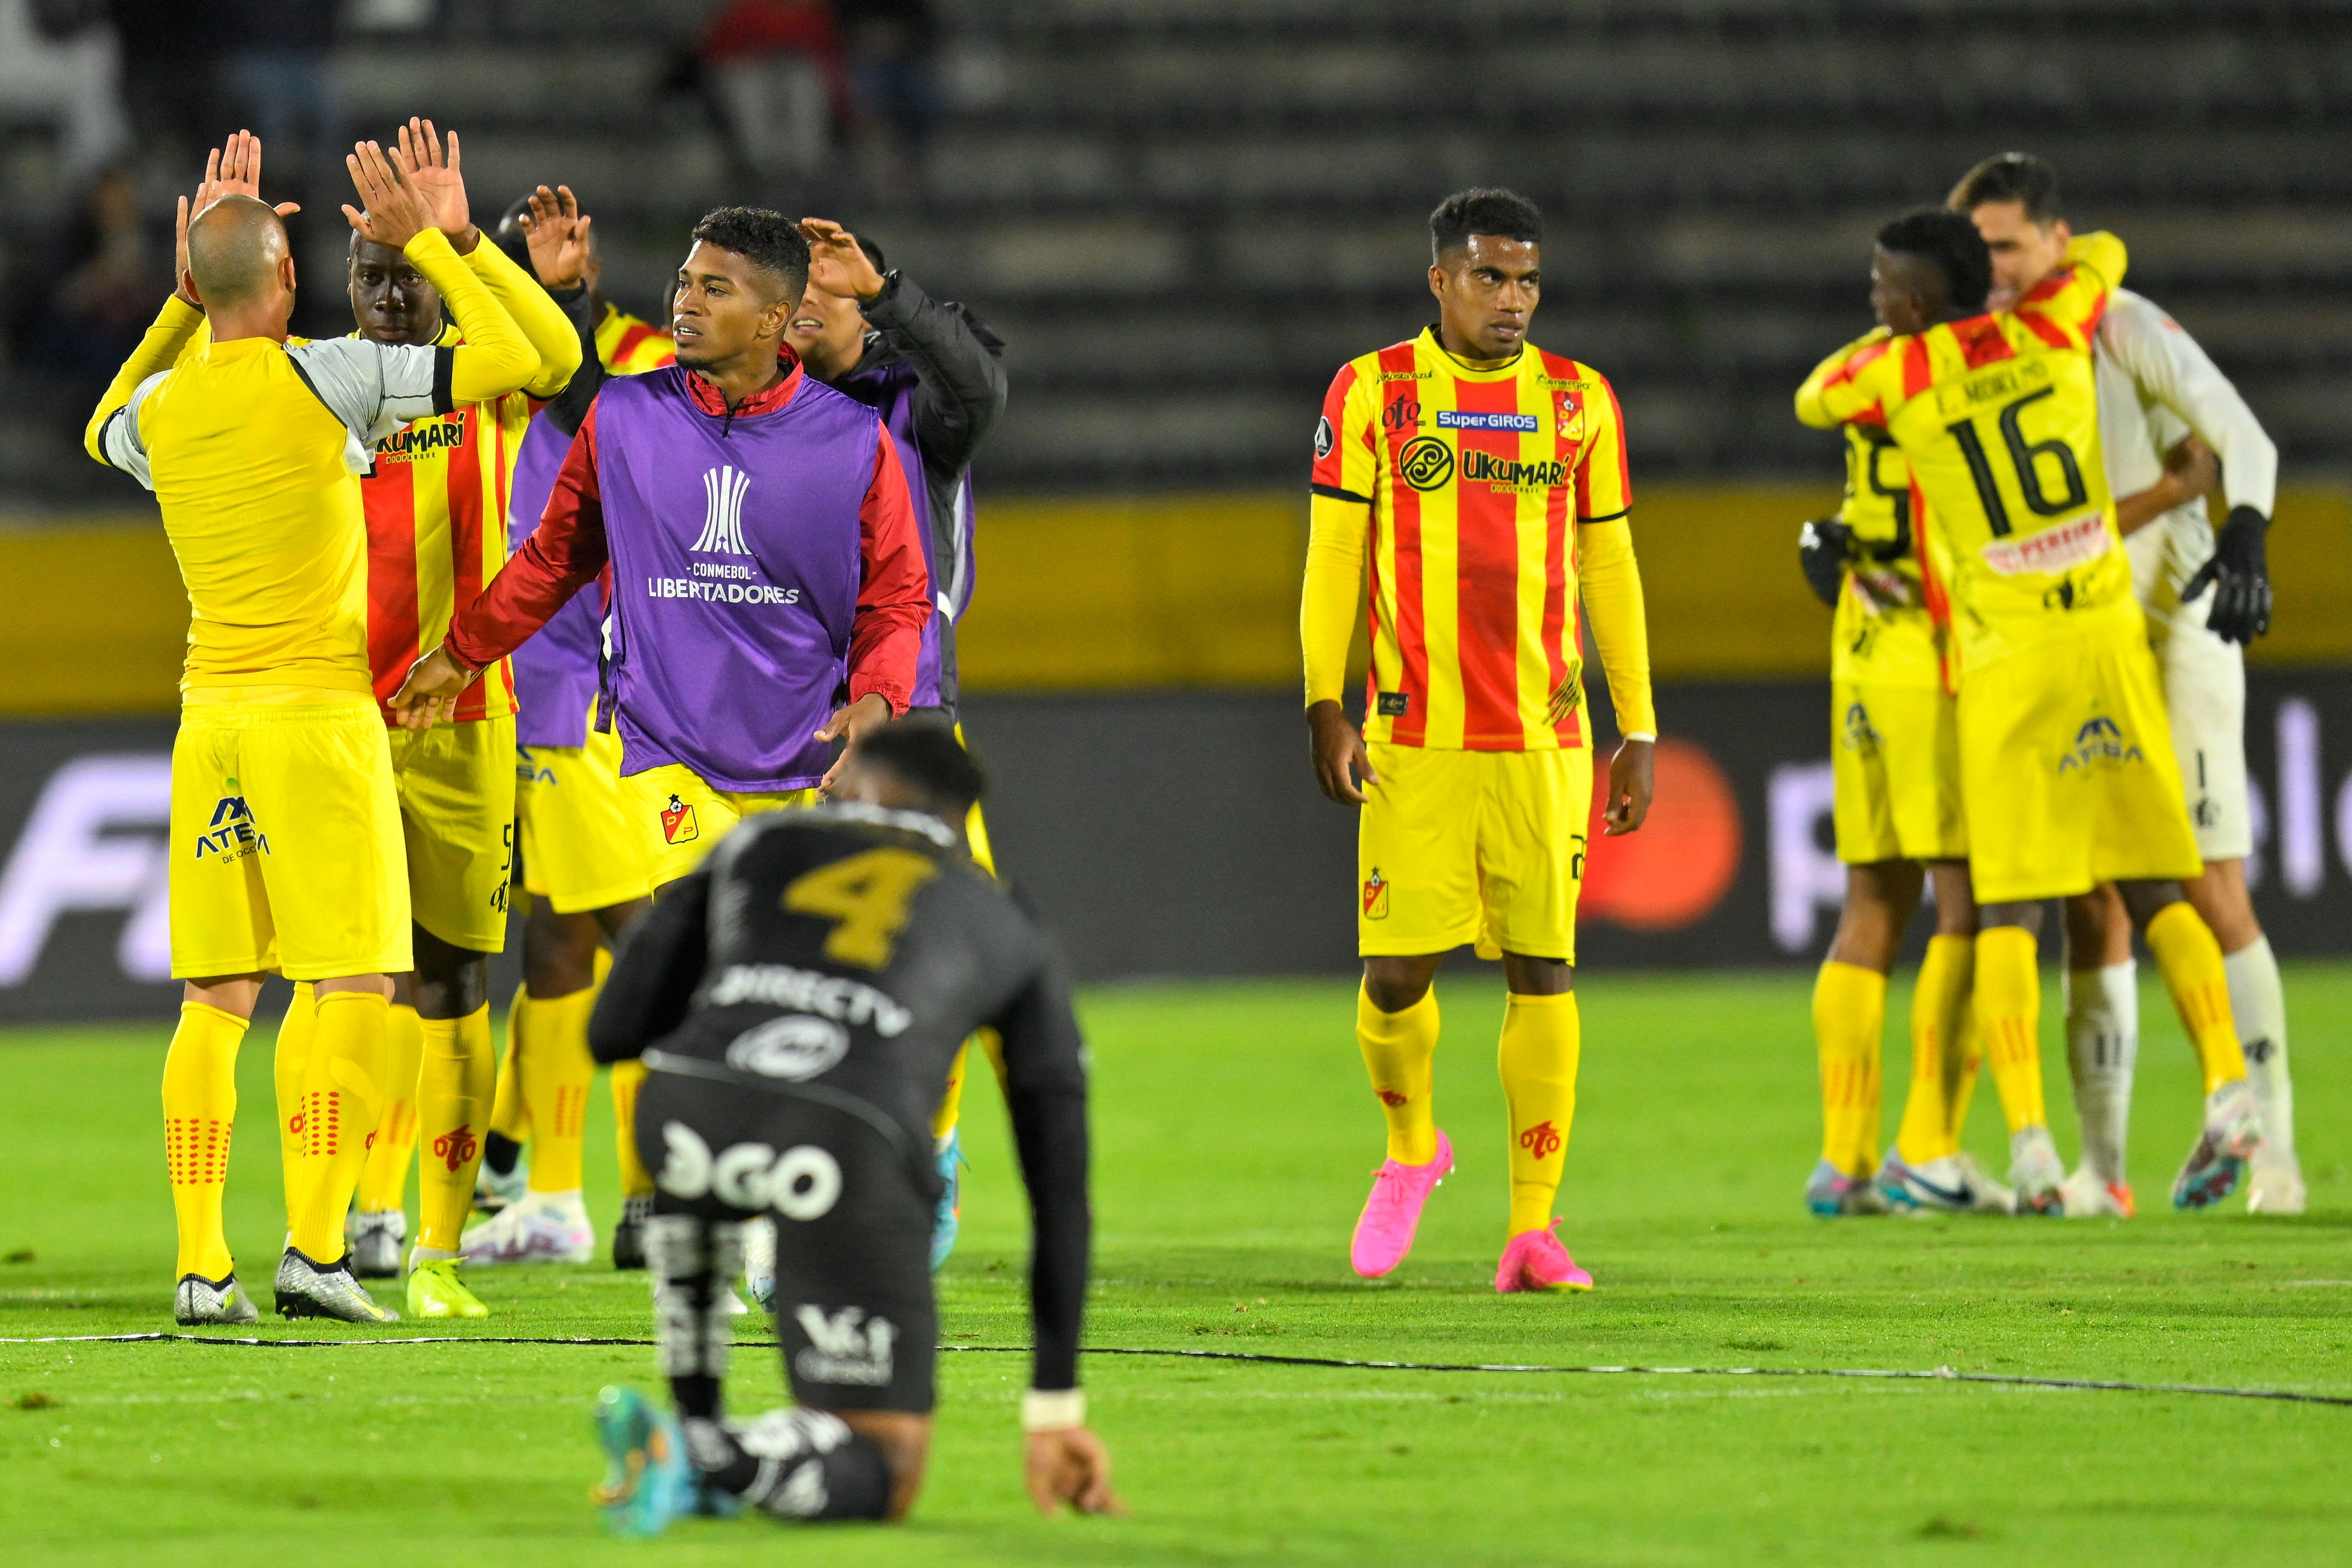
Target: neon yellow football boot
x=435 y=1292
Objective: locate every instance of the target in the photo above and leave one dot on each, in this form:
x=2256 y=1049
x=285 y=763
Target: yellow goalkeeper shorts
x=1894 y=760
x=2067 y=768
x=457 y=813
x=681 y=818
x=286 y=849
x=582 y=846
x=1484 y=848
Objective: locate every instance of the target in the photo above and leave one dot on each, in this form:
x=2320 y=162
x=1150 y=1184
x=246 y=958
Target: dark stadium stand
x=1185 y=213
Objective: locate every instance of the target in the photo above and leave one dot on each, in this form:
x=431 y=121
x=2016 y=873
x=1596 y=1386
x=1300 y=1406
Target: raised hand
x=392 y=211
x=233 y=169
x=438 y=179
x=838 y=263
x=556 y=230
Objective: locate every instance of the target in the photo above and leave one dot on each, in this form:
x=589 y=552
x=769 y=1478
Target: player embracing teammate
x=1482 y=484
x=2065 y=762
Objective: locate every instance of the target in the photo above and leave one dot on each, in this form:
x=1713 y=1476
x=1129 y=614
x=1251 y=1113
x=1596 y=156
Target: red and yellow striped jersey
x=1997 y=419
x=436 y=509
x=629 y=346
x=1476 y=480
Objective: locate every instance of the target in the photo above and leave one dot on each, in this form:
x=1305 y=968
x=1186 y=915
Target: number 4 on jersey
x=866 y=896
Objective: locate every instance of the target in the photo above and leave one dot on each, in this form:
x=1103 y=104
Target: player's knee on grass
x=799 y=1464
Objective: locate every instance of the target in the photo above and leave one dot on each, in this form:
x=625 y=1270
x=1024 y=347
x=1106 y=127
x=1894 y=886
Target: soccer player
x=1894 y=754
x=764 y=555
x=434 y=498
x=2067 y=777
x=936 y=372
x=284 y=816
x=1484 y=481
x=799 y=998
x=587 y=873
x=2158 y=390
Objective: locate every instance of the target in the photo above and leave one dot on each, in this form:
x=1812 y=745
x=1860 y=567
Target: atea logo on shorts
x=233 y=835
x=1860 y=734
x=846 y=1346
x=2100 y=740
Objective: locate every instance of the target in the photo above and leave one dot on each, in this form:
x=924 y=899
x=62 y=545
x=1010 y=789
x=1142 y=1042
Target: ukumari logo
x=1513 y=473
x=232 y=835
x=2101 y=739
x=423 y=438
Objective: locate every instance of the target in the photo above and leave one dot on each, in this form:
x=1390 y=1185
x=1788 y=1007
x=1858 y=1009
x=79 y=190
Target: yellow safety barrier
x=1108 y=593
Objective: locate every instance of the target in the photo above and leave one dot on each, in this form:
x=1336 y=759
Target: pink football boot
x=1384 y=1230
x=1535 y=1260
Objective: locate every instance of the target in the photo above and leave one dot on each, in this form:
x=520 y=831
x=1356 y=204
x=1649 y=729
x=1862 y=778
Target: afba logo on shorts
x=677 y=822
x=794 y=1047
x=1376 y=896
x=232 y=835
x=2100 y=740
x=846 y=1346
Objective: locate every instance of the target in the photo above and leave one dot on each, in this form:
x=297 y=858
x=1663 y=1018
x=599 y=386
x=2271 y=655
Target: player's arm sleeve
x=570 y=406
x=495 y=357
x=2173 y=368
x=1339 y=523
x=535 y=314
x=654 y=971
x=1046 y=1089
x=563 y=554
x=111 y=436
x=2073 y=299
x=1842 y=389
x=960 y=386
x=894 y=589
x=1607 y=577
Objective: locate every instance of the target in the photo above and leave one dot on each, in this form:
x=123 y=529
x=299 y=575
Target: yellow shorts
x=1472 y=847
x=582 y=848
x=286 y=849
x=456 y=812
x=679 y=819
x=2067 y=769
x=1895 y=758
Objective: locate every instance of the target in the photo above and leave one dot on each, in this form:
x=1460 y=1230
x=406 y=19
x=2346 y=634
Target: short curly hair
x=1483 y=209
x=1950 y=241
x=769 y=240
x=2020 y=177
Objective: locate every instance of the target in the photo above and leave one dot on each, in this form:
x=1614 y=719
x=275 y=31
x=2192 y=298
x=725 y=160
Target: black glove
x=2240 y=577
x=1823 y=546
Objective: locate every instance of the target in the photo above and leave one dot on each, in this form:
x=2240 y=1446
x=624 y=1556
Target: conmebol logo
x=722 y=515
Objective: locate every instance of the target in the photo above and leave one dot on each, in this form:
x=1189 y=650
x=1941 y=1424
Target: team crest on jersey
x=233 y=834
x=2100 y=740
x=1568 y=415
x=678 y=822
x=1426 y=463
x=722 y=511
x=1376 y=896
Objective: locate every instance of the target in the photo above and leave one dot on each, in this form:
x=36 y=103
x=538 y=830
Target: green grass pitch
x=1234 y=1139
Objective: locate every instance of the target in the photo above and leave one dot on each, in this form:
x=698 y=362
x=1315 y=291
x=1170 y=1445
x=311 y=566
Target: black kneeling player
x=797 y=1001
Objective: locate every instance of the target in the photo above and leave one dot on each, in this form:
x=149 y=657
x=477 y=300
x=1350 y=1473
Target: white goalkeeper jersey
x=2156 y=385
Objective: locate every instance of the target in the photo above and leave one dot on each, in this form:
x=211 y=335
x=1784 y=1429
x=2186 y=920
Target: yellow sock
x=343 y=1092
x=556 y=1074
x=627 y=1079
x=950 y=1110
x=509 y=1110
x=384 y=1181
x=453 y=1111
x=1960 y=1071
x=2008 y=1012
x=1849 y=1013
x=1939 y=1009
x=199 y=1111
x=1542 y=1038
x=1398 y=1048
x=2190 y=961
x=293 y=1057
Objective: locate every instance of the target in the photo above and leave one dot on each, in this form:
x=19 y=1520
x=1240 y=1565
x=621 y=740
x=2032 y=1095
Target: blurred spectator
x=777 y=71
x=60 y=63
x=277 y=69
x=170 y=80
x=891 y=44
x=106 y=276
